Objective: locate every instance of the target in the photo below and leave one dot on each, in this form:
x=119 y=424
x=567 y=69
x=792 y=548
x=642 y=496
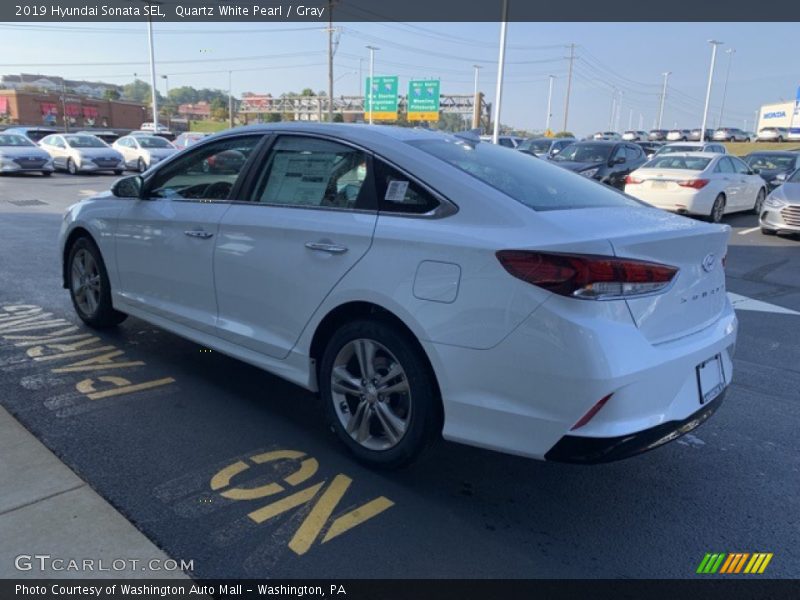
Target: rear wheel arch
x=359 y=310
x=73 y=237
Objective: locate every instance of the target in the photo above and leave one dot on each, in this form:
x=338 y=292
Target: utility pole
x=569 y=84
x=630 y=120
x=152 y=73
x=549 y=103
x=619 y=111
x=500 y=68
x=663 y=98
x=371 y=77
x=613 y=108
x=330 y=61
x=730 y=52
x=714 y=44
x=230 y=100
x=476 y=101
x=169 y=114
x=641 y=121
x=64 y=104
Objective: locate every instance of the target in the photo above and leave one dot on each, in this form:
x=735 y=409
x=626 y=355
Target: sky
x=278 y=58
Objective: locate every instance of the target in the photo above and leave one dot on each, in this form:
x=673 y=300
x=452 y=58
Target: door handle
x=326 y=247
x=198 y=233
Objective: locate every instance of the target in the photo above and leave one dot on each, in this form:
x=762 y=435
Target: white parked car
x=679 y=147
x=143 y=151
x=635 y=136
x=678 y=135
x=81 y=153
x=696 y=183
x=607 y=135
x=422 y=284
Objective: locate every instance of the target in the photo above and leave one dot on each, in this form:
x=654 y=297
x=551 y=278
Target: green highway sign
x=423 y=100
x=381 y=98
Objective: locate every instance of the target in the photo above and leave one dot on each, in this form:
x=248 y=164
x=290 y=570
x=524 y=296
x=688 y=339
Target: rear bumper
x=585 y=450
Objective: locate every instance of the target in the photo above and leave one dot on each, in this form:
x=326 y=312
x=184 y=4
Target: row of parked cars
x=691 y=178
x=723 y=134
x=44 y=150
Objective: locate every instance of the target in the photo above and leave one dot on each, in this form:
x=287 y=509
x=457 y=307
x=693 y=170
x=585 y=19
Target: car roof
x=710 y=155
x=602 y=142
x=354 y=131
x=793 y=154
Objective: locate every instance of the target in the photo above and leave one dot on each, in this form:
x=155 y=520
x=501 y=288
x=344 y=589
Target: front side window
x=584 y=153
x=312 y=172
x=534 y=183
x=740 y=166
x=208 y=172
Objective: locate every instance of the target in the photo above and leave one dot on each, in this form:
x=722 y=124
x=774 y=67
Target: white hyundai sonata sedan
x=424 y=284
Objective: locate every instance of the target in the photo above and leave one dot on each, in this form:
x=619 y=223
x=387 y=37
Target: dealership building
x=52 y=109
x=781 y=114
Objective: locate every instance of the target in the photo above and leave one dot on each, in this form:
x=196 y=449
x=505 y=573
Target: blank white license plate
x=659 y=185
x=710 y=379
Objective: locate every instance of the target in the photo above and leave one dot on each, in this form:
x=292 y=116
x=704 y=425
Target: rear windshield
x=535 y=183
x=84 y=141
x=154 y=142
x=13 y=139
x=689 y=163
x=535 y=146
x=674 y=149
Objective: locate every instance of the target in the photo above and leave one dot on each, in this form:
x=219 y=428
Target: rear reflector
x=696 y=184
x=586 y=275
x=592 y=412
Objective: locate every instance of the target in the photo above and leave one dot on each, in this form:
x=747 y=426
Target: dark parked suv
x=606 y=161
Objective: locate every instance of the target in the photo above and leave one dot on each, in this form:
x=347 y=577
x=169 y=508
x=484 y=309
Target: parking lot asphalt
x=228 y=466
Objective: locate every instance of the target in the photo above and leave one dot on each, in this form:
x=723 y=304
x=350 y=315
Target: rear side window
x=535 y=183
x=397 y=193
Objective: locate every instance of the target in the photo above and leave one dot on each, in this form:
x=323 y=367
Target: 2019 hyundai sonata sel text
x=424 y=284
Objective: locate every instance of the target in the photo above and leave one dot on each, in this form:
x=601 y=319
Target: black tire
x=766 y=231
x=47 y=173
x=716 y=212
x=759 y=204
x=104 y=315
x=71 y=168
x=780 y=139
x=118 y=172
x=423 y=421
x=141 y=166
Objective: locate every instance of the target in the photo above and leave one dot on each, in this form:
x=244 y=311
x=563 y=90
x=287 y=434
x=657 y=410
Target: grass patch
x=208 y=126
x=742 y=148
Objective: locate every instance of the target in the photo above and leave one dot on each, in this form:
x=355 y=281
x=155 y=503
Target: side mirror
x=780 y=177
x=555 y=151
x=755 y=170
x=620 y=160
x=128 y=187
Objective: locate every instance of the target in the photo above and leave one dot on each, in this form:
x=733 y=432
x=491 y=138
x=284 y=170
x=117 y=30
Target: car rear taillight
x=694 y=183
x=631 y=179
x=586 y=275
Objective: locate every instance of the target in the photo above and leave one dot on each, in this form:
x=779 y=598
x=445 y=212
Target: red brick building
x=46 y=108
x=195 y=112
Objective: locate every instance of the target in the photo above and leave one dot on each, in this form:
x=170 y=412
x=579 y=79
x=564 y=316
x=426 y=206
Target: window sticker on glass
x=299 y=178
x=396 y=191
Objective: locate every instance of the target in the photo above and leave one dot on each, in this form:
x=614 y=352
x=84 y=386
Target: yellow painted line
x=45 y=337
x=749 y=566
x=103 y=361
x=64 y=348
x=138 y=387
x=765 y=563
x=6 y=325
x=357 y=516
x=316 y=519
x=223 y=478
x=281 y=506
x=727 y=563
x=307 y=470
x=36 y=353
x=36 y=326
x=87 y=385
x=51 y=340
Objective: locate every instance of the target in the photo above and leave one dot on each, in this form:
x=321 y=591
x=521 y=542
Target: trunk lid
x=696 y=297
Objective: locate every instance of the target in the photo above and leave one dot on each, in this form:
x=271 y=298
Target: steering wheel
x=218 y=190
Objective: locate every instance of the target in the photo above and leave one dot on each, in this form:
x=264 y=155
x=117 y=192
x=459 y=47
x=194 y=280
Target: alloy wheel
x=371 y=394
x=85 y=282
x=759 y=202
x=718 y=210
x=71 y=167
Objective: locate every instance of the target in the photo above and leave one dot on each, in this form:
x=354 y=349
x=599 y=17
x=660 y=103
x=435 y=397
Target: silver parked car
x=634 y=136
x=772 y=134
x=140 y=152
x=694 y=135
x=18 y=153
x=78 y=153
x=678 y=135
x=691 y=147
x=730 y=134
x=781 y=212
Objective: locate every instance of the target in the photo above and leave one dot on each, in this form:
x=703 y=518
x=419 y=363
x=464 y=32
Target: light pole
x=549 y=103
x=613 y=108
x=663 y=98
x=714 y=44
x=152 y=69
x=730 y=52
x=230 y=99
x=372 y=50
x=476 y=103
x=498 y=97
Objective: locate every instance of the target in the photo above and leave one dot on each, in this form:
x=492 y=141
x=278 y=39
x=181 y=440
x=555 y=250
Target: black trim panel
x=586 y=450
